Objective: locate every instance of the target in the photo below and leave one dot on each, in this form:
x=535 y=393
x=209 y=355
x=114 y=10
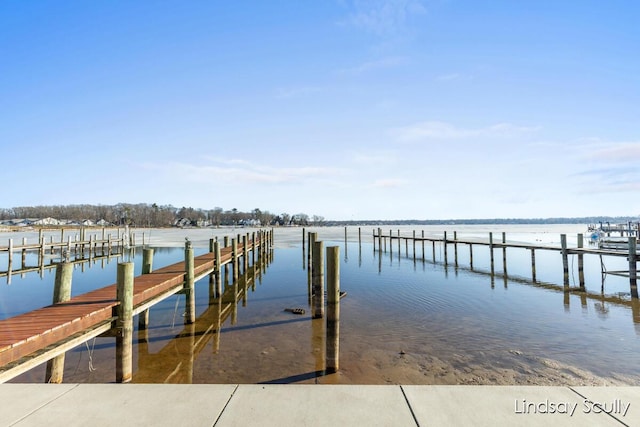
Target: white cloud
x=240 y=171
x=430 y=130
x=625 y=151
x=384 y=17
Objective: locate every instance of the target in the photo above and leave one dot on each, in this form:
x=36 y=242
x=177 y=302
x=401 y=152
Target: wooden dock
x=381 y=241
x=32 y=338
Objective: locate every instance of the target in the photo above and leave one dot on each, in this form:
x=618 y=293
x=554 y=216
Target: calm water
x=404 y=320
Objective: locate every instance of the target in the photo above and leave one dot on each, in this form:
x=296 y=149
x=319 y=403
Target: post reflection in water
x=174 y=361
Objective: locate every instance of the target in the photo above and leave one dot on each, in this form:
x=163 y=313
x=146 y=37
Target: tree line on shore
x=154 y=215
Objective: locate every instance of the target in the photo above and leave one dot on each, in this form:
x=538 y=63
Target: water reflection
x=174 y=362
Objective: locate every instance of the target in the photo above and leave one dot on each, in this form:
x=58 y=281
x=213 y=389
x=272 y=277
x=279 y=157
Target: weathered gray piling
x=61 y=293
x=444 y=244
x=189 y=285
x=124 y=323
x=504 y=253
x=581 y=262
x=332 y=356
x=533 y=265
x=234 y=258
x=455 y=248
x=491 y=253
x=218 y=271
x=147 y=267
x=633 y=273
x=565 y=260
x=318 y=280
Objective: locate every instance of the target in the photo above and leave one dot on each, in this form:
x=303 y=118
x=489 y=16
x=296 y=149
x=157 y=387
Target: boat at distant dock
x=600 y=234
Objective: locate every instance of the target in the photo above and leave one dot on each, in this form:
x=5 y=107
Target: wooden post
x=581 y=262
x=318 y=280
x=61 y=293
x=245 y=258
x=10 y=254
x=147 y=267
x=565 y=260
x=234 y=258
x=471 y=256
x=491 y=253
x=423 y=245
x=444 y=244
x=633 y=273
x=218 y=271
x=332 y=361
x=226 y=245
x=455 y=248
x=390 y=242
x=253 y=248
x=359 y=237
x=189 y=285
x=533 y=264
x=504 y=252
x=310 y=241
x=399 y=251
x=24 y=252
x=345 y=235
x=380 y=240
x=414 y=244
x=124 y=323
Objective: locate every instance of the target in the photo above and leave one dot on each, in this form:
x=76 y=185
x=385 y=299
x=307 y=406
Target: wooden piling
x=471 y=256
x=455 y=248
x=245 y=254
x=318 y=280
x=423 y=245
x=491 y=253
x=633 y=273
x=390 y=242
x=147 y=267
x=581 y=262
x=332 y=354
x=380 y=240
x=124 y=323
x=61 y=293
x=533 y=265
x=234 y=258
x=218 y=270
x=504 y=253
x=189 y=285
x=565 y=260
x=444 y=244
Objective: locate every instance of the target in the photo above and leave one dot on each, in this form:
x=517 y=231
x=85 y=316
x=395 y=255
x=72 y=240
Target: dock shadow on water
x=404 y=321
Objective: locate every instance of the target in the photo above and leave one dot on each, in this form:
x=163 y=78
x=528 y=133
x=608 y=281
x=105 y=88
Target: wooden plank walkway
x=38 y=333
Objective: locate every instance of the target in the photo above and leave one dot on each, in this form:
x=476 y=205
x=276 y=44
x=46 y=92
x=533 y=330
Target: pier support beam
x=124 y=323
x=565 y=261
x=318 y=280
x=633 y=273
x=61 y=293
x=581 y=262
x=332 y=356
x=491 y=253
x=147 y=267
x=189 y=285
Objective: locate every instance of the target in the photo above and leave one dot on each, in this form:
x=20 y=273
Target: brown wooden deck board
x=26 y=333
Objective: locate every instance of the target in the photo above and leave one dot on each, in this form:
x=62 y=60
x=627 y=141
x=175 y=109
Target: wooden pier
x=76 y=246
x=381 y=241
x=32 y=338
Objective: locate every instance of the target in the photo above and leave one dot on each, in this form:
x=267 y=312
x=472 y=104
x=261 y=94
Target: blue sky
x=389 y=109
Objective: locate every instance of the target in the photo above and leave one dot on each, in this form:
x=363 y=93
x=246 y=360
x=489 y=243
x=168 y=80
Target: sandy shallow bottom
x=292 y=346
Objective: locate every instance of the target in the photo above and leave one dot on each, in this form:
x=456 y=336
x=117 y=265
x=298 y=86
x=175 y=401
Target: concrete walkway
x=315 y=405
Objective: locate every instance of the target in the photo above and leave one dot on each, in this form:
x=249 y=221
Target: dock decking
x=32 y=338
